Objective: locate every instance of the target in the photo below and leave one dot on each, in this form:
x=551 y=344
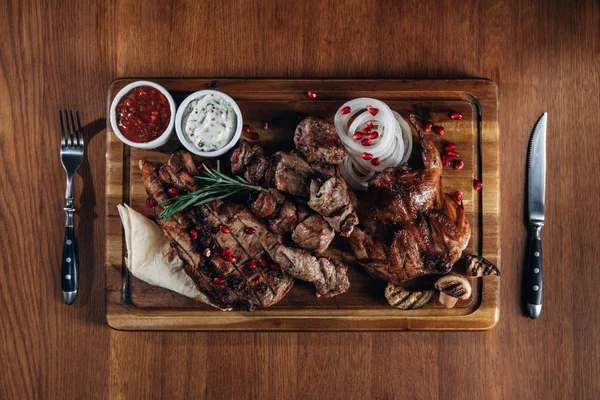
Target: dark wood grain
x=544 y=55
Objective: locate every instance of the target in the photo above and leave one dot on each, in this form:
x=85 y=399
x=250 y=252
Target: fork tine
x=63 y=137
x=73 y=130
x=79 y=129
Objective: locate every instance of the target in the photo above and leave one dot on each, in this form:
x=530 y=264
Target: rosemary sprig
x=219 y=186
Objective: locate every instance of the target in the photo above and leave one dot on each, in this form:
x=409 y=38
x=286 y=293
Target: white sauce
x=209 y=122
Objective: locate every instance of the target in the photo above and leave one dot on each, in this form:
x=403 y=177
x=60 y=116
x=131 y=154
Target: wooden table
x=544 y=57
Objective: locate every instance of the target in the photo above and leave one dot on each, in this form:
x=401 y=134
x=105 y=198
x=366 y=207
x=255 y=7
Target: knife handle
x=534 y=283
x=69 y=273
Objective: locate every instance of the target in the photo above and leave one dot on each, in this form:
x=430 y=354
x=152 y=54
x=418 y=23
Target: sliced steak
x=314 y=234
x=221 y=276
x=318 y=142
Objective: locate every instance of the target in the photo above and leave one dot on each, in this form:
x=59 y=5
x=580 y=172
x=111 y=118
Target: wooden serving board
x=134 y=305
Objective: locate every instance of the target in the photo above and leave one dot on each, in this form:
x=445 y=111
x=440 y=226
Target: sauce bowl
x=159 y=141
x=181 y=113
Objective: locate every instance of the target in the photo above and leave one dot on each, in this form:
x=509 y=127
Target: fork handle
x=70 y=270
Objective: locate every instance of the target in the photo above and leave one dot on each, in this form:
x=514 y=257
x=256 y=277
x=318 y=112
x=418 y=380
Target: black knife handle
x=69 y=272
x=534 y=283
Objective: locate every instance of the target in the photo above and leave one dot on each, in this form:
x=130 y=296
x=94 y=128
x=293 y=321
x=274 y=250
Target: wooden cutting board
x=134 y=305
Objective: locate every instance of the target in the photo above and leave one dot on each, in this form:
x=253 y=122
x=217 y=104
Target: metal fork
x=71 y=156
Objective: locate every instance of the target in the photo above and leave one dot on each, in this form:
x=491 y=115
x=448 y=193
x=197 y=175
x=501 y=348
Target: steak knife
x=536 y=202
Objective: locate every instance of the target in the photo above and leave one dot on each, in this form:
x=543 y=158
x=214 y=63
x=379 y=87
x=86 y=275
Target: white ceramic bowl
x=192 y=147
x=159 y=141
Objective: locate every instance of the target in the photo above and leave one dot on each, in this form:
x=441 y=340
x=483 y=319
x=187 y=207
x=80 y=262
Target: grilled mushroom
x=404 y=299
x=479 y=266
x=453 y=287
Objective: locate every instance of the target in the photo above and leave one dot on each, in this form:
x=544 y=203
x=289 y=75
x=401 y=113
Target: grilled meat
x=314 y=234
x=335 y=203
x=327 y=193
x=317 y=141
x=229 y=267
x=410 y=226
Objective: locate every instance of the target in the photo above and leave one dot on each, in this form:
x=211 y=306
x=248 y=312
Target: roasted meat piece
x=317 y=141
x=410 y=226
x=314 y=234
x=335 y=202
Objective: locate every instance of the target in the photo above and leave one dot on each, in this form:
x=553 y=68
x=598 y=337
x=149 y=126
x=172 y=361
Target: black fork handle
x=70 y=271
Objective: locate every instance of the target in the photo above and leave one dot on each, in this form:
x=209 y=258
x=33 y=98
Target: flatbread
x=151 y=258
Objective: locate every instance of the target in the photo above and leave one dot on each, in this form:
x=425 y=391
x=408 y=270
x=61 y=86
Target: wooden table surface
x=544 y=56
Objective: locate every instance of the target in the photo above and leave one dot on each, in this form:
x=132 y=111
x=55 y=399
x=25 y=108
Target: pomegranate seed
x=265 y=125
x=250 y=230
x=376 y=161
x=374 y=135
x=477 y=184
x=262 y=262
x=219 y=281
x=225 y=229
x=345 y=110
x=194 y=233
x=458 y=196
x=226 y=251
x=459 y=164
x=150 y=203
x=312 y=94
x=439 y=130
x=199 y=167
x=445 y=160
x=246 y=128
x=230 y=258
x=367 y=156
x=275 y=267
x=372 y=110
x=206 y=252
x=455 y=115
x=253 y=135
x=252 y=264
x=450 y=146
x=366 y=131
x=173 y=191
x=208 y=164
x=366 y=142
x=369 y=124
x=452 y=153
x=357 y=136
x=427 y=127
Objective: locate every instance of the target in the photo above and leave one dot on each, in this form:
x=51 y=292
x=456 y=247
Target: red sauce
x=143 y=114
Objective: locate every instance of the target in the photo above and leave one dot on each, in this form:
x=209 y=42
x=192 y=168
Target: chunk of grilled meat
x=234 y=275
x=278 y=210
x=335 y=202
x=314 y=234
x=317 y=141
x=410 y=226
x=328 y=193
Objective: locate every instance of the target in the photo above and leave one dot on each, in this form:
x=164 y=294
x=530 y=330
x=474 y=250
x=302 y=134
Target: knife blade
x=536 y=207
